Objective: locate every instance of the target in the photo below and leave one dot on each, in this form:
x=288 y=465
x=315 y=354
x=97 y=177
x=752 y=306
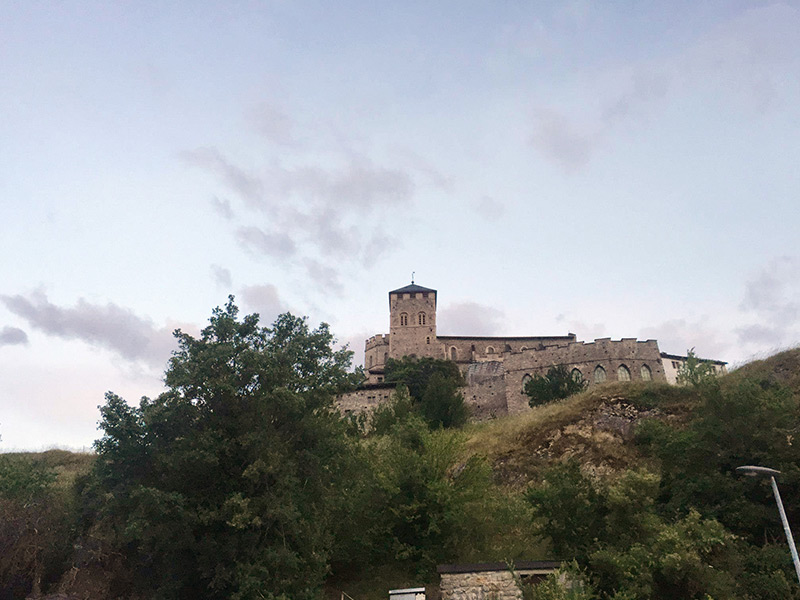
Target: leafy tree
x=433 y=387
x=695 y=371
x=556 y=385
x=226 y=485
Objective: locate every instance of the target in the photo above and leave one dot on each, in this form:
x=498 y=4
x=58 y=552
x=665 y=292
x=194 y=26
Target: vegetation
x=242 y=481
x=433 y=388
x=695 y=371
x=557 y=384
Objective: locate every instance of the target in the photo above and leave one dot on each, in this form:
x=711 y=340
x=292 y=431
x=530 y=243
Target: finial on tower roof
x=412 y=277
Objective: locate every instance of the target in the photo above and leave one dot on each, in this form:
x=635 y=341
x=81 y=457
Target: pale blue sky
x=622 y=169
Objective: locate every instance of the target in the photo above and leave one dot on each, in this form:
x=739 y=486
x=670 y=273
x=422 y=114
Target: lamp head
x=754 y=471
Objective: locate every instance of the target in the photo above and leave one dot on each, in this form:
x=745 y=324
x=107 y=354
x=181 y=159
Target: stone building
x=496 y=368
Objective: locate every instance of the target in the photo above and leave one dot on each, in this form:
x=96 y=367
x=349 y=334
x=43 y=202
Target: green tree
x=433 y=387
x=559 y=383
x=695 y=371
x=226 y=485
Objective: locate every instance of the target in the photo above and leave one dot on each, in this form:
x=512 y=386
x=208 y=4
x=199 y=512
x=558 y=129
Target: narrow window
x=370 y=361
x=489 y=350
x=403 y=319
x=421 y=318
x=385 y=357
x=576 y=375
x=428 y=340
x=599 y=374
x=508 y=347
x=647 y=374
x=623 y=374
x=453 y=353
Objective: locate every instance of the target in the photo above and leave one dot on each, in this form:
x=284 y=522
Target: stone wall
x=410 y=337
x=365 y=398
x=485 y=392
x=489 y=581
x=469 y=349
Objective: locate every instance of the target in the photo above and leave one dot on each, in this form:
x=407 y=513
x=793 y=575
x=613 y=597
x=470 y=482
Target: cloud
x=325 y=277
x=263 y=299
x=106 y=326
x=223 y=208
x=222 y=276
x=489 y=208
x=559 y=140
x=583 y=330
x=278 y=245
x=273 y=124
x=469 y=318
x=772 y=296
x=248 y=186
x=676 y=336
x=13 y=336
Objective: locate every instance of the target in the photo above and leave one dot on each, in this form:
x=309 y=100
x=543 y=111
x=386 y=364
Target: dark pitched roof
x=411 y=289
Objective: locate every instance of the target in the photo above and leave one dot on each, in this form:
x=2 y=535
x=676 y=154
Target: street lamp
x=754 y=471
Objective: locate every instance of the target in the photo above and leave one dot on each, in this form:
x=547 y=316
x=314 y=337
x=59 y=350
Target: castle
x=496 y=368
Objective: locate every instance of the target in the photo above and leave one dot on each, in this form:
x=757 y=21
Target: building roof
x=410 y=289
x=705 y=360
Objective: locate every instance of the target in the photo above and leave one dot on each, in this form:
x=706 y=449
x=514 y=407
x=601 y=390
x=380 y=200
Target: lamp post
x=754 y=471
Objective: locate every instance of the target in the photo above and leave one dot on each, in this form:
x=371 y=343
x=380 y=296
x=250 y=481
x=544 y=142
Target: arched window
x=385 y=357
x=428 y=340
x=525 y=379
x=508 y=348
x=489 y=350
x=472 y=347
x=403 y=319
x=623 y=374
x=576 y=375
x=421 y=318
x=599 y=374
x=647 y=374
x=453 y=353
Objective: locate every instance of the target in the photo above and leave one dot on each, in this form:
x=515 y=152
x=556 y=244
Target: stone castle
x=497 y=368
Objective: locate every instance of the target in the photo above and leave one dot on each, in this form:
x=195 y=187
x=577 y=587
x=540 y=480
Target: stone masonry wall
x=468 y=349
x=413 y=337
x=491 y=585
x=364 y=399
x=485 y=392
x=585 y=357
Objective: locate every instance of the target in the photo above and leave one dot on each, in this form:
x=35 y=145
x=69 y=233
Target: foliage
x=433 y=388
x=695 y=371
x=556 y=385
x=567 y=583
x=35 y=527
x=225 y=485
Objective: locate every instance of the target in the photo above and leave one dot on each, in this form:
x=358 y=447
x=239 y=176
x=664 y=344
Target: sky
x=611 y=169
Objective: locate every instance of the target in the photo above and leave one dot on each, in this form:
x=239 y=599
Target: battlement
x=381 y=339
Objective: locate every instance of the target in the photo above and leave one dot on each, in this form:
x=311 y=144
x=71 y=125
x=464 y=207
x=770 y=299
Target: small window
x=576 y=375
x=403 y=319
x=428 y=340
x=647 y=374
x=380 y=379
x=453 y=353
x=489 y=350
x=599 y=374
x=370 y=361
x=421 y=318
x=472 y=347
x=508 y=347
x=623 y=373
x=385 y=357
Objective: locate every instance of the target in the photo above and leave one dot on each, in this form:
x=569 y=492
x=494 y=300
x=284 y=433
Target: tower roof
x=410 y=289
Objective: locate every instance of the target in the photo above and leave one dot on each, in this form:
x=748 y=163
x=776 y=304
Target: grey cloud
x=13 y=336
x=279 y=245
x=761 y=336
x=584 y=330
x=222 y=276
x=263 y=299
x=469 y=318
x=774 y=292
x=676 y=336
x=645 y=87
x=559 y=140
x=489 y=208
x=250 y=187
x=323 y=276
x=273 y=124
x=223 y=208
x=106 y=326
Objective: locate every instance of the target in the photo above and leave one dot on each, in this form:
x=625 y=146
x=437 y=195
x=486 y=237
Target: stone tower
x=412 y=322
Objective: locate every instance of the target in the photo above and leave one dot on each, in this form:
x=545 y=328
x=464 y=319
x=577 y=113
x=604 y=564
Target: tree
x=433 y=386
x=695 y=370
x=556 y=385
x=225 y=485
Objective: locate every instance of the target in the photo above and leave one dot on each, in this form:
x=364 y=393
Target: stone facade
x=490 y=581
x=495 y=368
